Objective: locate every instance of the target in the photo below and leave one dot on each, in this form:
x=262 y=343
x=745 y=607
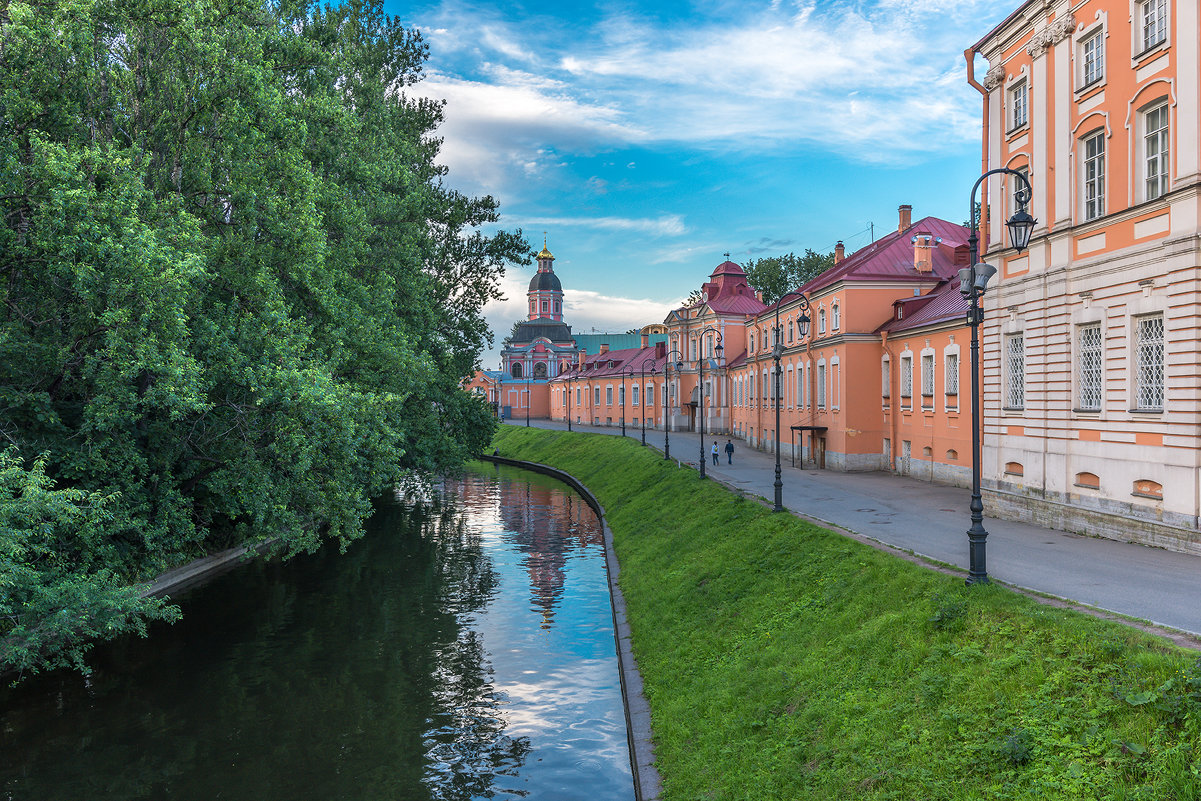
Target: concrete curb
x=202 y=569
x=647 y=784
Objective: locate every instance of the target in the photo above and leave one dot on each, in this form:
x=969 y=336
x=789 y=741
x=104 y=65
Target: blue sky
x=648 y=139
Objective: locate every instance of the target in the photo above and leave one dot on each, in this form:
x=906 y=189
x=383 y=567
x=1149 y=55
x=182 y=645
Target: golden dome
x=544 y=253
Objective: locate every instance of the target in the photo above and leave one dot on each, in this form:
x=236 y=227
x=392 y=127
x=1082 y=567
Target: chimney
x=583 y=357
x=604 y=348
x=839 y=252
x=646 y=340
x=758 y=296
x=660 y=350
x=923 y=252
x=906 y=217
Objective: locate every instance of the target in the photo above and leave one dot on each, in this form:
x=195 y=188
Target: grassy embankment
x=783 y=661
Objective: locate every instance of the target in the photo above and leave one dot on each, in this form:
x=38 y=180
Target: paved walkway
x=932 y=520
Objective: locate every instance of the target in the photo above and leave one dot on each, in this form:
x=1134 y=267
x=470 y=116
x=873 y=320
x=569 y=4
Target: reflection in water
x=410 y=667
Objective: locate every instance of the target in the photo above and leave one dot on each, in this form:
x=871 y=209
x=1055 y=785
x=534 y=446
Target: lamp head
x=803 y=324
x=1020 y=225
x=975 y=280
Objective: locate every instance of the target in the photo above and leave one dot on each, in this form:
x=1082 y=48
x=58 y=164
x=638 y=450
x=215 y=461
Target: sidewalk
x=932 y=520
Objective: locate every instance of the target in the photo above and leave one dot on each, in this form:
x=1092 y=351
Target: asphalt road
x=931 y=520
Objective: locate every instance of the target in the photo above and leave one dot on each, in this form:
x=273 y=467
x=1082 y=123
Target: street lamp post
x=642 y=392
x=700 y=386
x=776 y=352
x=667 y=363
x=973 y=281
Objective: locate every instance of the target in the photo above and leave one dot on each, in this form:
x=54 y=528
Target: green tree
x=237 y=296
x=776 y=275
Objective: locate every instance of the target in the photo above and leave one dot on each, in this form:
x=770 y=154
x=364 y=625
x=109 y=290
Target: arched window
x=516 y=370
x=540 y=370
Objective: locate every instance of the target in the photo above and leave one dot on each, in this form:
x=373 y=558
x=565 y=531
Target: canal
x=463 y=649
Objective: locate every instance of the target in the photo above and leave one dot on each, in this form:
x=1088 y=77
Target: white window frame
x=1092 y=173
x=1019 y=105
x=928 y=378
x=1152 y=29
x=821 y=321
x=907 y=380
x=885 y=379
x=821 y=384
x=1156 y=150
x=1092 y=58
x=634 y=395
x=950 y=370
x=835 y=383
x=836 y=317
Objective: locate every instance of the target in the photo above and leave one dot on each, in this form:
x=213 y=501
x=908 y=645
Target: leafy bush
x=52 y=609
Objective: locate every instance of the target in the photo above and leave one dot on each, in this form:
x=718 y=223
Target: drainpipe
x=970 y=56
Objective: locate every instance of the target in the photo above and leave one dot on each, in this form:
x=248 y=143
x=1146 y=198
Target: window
x=751 y=349
x=885 y=378
x=1015 y=372
x=558 y=308
x=1017 y=105
x=577 y=396
x=1149 y=378
x=927 y=379
x=1088 y=367
x=649 y=395
x=837 y=317
x=821 y=321
x=789 y=332
x=1092 y=58
x=906 y=379
x=1154 y=14
x=692 y=349
x=609 y=396
x=951 y=380
x=1155 y=151
x=1094 y=176
x=634 y=395
x=821 y=385
x=545 y=306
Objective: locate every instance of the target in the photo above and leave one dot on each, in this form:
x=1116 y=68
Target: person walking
x=730 y=451
x=714 y=451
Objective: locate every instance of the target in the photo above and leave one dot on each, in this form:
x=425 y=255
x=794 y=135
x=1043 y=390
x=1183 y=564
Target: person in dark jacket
x=730 y=451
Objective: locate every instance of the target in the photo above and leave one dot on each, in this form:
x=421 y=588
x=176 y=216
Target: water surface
x=463 y=649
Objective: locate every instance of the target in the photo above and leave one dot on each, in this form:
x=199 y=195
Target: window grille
x=927 y=375
x=634 y=395
x=1150 y=362
x=649 y=395
x=1155 y=144
x=1088 y=367
x=1155 y=22
x=906 y=377
x=821 y=386
x=1094 y=61
x=1015 y=363
x=596 y=402
x=885 y=378
x=952 y=374
x=609 y=395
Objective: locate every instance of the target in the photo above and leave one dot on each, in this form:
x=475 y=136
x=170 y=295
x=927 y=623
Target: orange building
x=1091 y=371
x=872 y=381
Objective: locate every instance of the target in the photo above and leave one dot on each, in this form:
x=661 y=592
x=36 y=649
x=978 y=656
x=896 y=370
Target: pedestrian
x=714 y=451
x=730 y=450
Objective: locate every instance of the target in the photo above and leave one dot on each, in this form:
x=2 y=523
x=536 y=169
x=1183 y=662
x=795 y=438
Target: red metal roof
x=940 y=305
x=891 y=257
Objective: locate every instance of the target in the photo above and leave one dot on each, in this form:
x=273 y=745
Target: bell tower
x=546 y=293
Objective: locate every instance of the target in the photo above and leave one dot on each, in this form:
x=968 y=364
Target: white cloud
x=665 y=225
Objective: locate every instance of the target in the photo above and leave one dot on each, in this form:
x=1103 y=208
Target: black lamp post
x=568 y=405
x=667 y=363
x=700 y=386
x=776 y=352
x=642 y=393
x=973 y=281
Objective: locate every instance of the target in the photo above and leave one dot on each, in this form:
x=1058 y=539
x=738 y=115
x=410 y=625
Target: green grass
x=783 y=661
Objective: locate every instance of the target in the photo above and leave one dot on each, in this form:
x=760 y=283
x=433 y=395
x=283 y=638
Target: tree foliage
x=776 y=275
x=236 y=297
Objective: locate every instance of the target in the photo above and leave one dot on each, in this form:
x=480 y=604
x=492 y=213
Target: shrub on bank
x=784 y=661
